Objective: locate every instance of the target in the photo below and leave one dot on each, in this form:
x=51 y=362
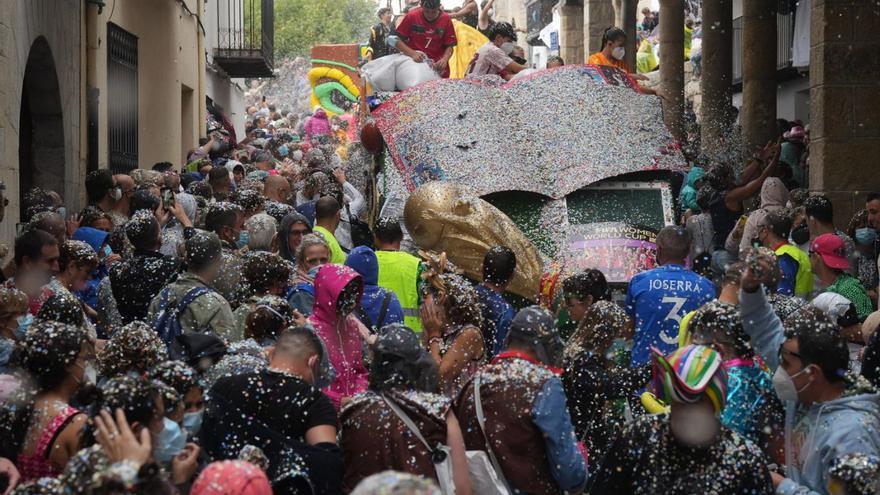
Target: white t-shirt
x=489 y=59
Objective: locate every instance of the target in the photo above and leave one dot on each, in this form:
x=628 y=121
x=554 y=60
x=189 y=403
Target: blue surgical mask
x=243 y=238
x=866 y=236
x=283 y=150
x=24 y=322
x=106 y=251
x=192 y=421
x=170 y=442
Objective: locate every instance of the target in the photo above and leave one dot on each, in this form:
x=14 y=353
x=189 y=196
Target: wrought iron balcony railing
x=245 y=37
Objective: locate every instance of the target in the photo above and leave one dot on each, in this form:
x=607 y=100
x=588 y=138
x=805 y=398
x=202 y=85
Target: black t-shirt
x=255 y=408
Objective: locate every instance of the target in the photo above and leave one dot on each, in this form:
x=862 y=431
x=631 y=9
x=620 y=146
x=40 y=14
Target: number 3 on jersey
x=677 y=304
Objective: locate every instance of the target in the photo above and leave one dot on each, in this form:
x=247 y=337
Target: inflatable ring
x=322 y=92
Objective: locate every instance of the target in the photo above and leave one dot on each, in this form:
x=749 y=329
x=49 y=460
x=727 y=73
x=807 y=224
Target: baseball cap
x=831 y=249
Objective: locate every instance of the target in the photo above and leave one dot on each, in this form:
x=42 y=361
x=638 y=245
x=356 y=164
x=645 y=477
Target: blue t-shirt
x=789 y=267
x=657 y=300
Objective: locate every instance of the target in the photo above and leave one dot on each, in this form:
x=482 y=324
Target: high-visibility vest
x=803 y=283
x=399 y=272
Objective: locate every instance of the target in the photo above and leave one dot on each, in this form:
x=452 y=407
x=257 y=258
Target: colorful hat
x=688 y=374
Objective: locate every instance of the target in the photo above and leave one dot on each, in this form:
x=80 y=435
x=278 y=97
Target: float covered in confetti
x=550 y=133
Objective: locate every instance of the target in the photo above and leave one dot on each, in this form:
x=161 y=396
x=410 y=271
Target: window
x=122 y=99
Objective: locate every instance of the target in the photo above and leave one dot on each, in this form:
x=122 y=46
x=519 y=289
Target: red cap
x=831 y=249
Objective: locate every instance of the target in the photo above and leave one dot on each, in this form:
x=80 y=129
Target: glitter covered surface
x=551 y=133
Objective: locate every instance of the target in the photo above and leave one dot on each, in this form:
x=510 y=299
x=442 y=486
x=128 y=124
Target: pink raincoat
x=341 y=337
x=317 y=125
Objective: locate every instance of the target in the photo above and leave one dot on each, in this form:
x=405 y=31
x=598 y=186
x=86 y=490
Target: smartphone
x=167 y=198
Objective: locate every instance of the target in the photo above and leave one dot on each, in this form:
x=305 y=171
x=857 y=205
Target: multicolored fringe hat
x=688 y=374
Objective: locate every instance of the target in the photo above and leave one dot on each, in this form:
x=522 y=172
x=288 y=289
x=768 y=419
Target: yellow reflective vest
x=803 y=283
x=399 y=272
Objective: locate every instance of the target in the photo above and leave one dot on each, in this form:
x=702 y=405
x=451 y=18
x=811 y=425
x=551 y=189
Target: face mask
x=694 y=425
x=243 y=238
x=756 y=242
x=283 y=150
x=491 y=12
x=784 y=385
x=106 y=251
x=800 y=234
x=90 y=374
x=866 y=236
x=618 y=53
x=62 y=211
x=297 y=156
x=192 y=421
x=507 y=48
x=116 y=194
x=170 y=442
x=24 y=322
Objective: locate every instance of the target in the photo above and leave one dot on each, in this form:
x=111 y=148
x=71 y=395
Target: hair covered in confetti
x=62 y=307
x=13 y=302
x=176 y=374
x=396 y=483
x=855 y=474
x=603 y=322
x=134 y=347
x=688 y=374
x=202 y=248
x=135 y=395
x=263 y=269
x=79 y=254
x=270 y=315
x=48 y=349
x=721 y=322
x=440 y=279
x=42 y=486
x=400 y=361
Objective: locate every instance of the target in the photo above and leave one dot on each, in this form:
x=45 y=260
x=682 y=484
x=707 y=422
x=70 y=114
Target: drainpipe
x=200 y=44
x=93 y=10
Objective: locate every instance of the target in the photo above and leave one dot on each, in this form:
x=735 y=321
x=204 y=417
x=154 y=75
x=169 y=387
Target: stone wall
x=598 y=16
x=58 y=22
x=845 y=102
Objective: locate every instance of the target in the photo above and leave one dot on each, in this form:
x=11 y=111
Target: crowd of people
x=232 y=325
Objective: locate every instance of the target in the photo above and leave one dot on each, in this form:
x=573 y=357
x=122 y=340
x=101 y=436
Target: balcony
x=784 y=39
x=245 y=37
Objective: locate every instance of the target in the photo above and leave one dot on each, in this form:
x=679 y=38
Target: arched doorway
x=41 y=130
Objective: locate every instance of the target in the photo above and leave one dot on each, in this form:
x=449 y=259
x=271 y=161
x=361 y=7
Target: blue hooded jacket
x=818 y=434
x=688 y=196
x=96 y=239
x=363 y=260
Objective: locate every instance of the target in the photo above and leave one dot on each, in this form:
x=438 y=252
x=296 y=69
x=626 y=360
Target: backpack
x=167 y=324
x=361 y=234
x=380 y=318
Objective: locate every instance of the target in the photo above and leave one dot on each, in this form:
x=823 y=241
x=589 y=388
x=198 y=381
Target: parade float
x=571 y=167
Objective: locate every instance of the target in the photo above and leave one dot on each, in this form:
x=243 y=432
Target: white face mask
x=507 y=47
x=618 y=53
x=784 y=384
x=694 y=424
x=116 y=194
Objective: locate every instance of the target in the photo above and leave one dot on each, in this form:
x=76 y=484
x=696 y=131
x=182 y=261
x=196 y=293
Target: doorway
x=41 y=128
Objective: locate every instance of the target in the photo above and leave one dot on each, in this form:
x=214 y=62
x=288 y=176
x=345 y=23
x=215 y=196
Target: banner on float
x=619 y=250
